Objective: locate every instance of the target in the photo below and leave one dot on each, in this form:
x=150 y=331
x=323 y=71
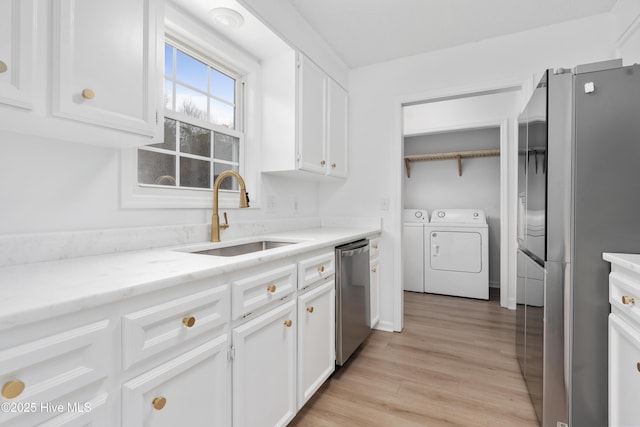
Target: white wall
x=374 y=118
x=627 y=30
x=49 y=185
x=436 y=184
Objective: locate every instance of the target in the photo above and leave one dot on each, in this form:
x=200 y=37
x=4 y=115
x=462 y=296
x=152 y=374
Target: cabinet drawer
x=624 y=373
x=624 y=296
x=374 y=247
x=260 y=289
x=162 y=326
x=316 y=268
x=67 y=368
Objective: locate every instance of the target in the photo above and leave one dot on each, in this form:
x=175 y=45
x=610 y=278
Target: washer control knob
x=418 y=214
x=441 y=214
x=475 y=214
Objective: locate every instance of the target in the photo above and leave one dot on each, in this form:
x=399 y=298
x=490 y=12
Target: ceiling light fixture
x=226 y=17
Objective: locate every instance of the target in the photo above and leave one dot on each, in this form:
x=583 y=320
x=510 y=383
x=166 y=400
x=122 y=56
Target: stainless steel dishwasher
x=353 y=313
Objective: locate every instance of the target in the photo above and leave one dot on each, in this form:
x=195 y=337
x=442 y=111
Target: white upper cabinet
x=336 y=130
x=305 y=119
x=312 y=88
x=104 y=63
x=91 y=73
x=16 y=52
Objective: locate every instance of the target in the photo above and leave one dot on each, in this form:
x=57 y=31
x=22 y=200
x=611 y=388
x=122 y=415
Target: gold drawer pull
x=375 y=246
x=88 y=94
x=159 y=402
x=3 y=67
x=373 y=270
x=321 y=269
x=333 y=165
x=271 y=288
x=322 y=163
x=628 y=300
x=12 y=389
x=288 y=323
x=638 y=366
x=189 y=321
x=310 y=309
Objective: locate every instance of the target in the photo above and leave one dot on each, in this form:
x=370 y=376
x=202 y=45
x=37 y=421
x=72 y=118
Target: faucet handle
x=226 y=223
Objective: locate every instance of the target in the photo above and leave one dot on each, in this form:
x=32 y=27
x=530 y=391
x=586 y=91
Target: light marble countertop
x=628 y=261
x=37 y=291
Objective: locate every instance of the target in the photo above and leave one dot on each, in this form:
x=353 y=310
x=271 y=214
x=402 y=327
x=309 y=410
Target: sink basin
x=245 y=248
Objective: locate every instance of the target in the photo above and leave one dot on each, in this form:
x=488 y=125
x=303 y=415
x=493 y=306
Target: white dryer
x=457 y=253
x=413 y=248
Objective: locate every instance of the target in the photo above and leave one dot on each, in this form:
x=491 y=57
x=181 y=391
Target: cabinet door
x=105 y=62
x=374 y=280
x=311 y=116
x=624 y=378
x=264 y=369
x=316 y=339
x=16 y=51
x=337 y=130
x=191 y=390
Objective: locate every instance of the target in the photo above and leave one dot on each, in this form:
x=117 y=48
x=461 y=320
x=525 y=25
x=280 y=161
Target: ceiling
x=364 y=32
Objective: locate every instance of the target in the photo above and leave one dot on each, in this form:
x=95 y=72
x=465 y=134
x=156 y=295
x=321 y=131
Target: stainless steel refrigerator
x=579 y=196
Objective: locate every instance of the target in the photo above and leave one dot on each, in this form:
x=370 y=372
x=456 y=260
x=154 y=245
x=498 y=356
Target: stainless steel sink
x=244 y=248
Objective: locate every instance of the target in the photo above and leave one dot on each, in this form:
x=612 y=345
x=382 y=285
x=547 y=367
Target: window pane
x=194 y=173
x=168 y=60
x=191 y=103
x=222 y=86
x=222 y=114
x=156 y=168
x=229 y=183
x=168 y=95
x=226 y=147
x=191 y=71
x=169 y=135
x=195 y=140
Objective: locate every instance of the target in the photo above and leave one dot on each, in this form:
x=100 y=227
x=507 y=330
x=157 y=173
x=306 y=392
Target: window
x=202 y=138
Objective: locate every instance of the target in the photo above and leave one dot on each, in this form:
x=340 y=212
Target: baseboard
x=384 y=326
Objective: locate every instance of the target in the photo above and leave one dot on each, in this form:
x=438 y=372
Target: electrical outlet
x=384 y=204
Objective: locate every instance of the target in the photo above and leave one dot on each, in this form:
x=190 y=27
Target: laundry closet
x=452 y=197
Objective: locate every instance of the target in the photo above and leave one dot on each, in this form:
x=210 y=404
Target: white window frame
x=198 y=41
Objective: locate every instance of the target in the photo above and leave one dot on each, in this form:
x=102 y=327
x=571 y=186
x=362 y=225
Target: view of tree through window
x=200 y=103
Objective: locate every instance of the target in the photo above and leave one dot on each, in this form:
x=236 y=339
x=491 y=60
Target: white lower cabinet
x=316 y=339
x=264 y=368
x=189 y=390
x=60 y=379
x=374 y=280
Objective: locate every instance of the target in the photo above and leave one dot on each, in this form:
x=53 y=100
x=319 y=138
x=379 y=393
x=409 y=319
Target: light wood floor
x=453 y=364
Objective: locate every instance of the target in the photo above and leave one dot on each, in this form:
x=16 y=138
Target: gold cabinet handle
x=310 y=309
x=628 y=300
x=375 y=246
x=373 y=270
x=12 y=389
x=271 y=288
x=322 y=163
x=333 y=165
x=189 y=321
x=3 y=67
x=638 y=366
x=158 y=403
x=288 y=323
x=88 y=94
x=321 y=269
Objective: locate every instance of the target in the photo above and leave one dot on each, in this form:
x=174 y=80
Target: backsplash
x=40 y=247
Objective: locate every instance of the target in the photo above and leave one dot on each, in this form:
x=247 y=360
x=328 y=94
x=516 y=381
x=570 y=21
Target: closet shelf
x=454 y=155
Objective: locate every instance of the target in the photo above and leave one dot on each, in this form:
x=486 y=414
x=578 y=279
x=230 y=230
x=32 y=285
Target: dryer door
x=456 y=251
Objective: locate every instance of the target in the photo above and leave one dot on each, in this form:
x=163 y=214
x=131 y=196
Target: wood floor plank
x=454 y=364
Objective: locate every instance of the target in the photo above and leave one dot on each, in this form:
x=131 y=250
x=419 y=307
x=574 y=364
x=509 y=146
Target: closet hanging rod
x=453 y=155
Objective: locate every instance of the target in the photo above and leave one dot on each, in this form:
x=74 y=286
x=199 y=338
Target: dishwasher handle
x=355 y=248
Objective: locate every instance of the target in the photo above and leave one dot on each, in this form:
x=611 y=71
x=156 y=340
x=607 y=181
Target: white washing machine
x=456 y=253
x=413 y=248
